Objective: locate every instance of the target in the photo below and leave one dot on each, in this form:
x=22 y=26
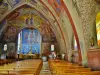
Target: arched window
x=75 y=44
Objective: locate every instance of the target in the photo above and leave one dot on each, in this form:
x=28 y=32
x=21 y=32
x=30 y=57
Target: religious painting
x=56 y=5
x=31 y=41
x=46 y=39
x=13 y=16
x=10 y=34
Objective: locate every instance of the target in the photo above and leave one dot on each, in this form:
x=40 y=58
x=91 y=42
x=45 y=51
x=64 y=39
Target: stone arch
x=78 y=31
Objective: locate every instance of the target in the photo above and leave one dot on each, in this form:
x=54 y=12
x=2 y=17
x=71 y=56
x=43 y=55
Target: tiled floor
x=45 y=69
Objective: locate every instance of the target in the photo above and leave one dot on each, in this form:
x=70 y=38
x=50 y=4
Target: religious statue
x=92 y=42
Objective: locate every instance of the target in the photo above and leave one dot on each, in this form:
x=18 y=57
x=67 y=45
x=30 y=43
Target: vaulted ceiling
x=18 y=14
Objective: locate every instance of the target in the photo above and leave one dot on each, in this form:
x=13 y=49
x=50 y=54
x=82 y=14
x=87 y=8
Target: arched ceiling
x=10 y=13
x=26 y=16
x=48 y=10
x=45 y=13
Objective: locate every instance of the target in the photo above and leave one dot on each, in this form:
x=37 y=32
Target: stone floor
x=45 y=69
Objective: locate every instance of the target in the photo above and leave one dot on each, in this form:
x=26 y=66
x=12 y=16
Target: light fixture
x=52 y=47
x=5 y=47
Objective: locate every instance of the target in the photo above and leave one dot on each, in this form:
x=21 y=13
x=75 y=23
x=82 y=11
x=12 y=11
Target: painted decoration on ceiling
x=13 y=16
x=32 y=1
x=10 y=34
x=47 y=34
x=3 y=8
x=75 y=5
x=56 y=5
x=31 y=41
x=28 y=17
x=12 y=3
x=98 y=28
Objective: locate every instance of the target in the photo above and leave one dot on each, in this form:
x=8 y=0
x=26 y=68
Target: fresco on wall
x=31 y=41
x=56 y=5
x=10 y=34
x=13 y=16
x=28 y=18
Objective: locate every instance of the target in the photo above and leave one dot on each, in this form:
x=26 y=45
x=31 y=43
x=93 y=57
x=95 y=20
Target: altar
x=28 y=56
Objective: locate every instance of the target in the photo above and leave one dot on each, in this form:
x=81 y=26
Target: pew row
x=61 y=67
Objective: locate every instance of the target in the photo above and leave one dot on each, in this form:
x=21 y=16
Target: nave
x=68 y=30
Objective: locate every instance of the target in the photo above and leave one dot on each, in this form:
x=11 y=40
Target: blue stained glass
x=30 y=41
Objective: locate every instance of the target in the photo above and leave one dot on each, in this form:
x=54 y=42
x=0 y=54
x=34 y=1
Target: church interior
x=49 y=37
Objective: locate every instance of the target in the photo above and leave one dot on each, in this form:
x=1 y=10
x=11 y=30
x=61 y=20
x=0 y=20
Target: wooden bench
x=22 y=68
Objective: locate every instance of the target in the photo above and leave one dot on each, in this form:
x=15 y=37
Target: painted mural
x=56 y=5
x=10 y=34
x=27 y=17
x=31 y=42
x=13 y=16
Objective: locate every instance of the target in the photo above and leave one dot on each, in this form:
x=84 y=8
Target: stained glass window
x=75 y=44
x=29 y=41
x=98 y=28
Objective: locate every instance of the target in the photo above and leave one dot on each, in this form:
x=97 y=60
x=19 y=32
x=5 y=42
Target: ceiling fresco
x=56 y=5
x=27 y=17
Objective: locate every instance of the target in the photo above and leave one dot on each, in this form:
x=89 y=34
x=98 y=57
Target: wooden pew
x=22 y=68
x=64 y=68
